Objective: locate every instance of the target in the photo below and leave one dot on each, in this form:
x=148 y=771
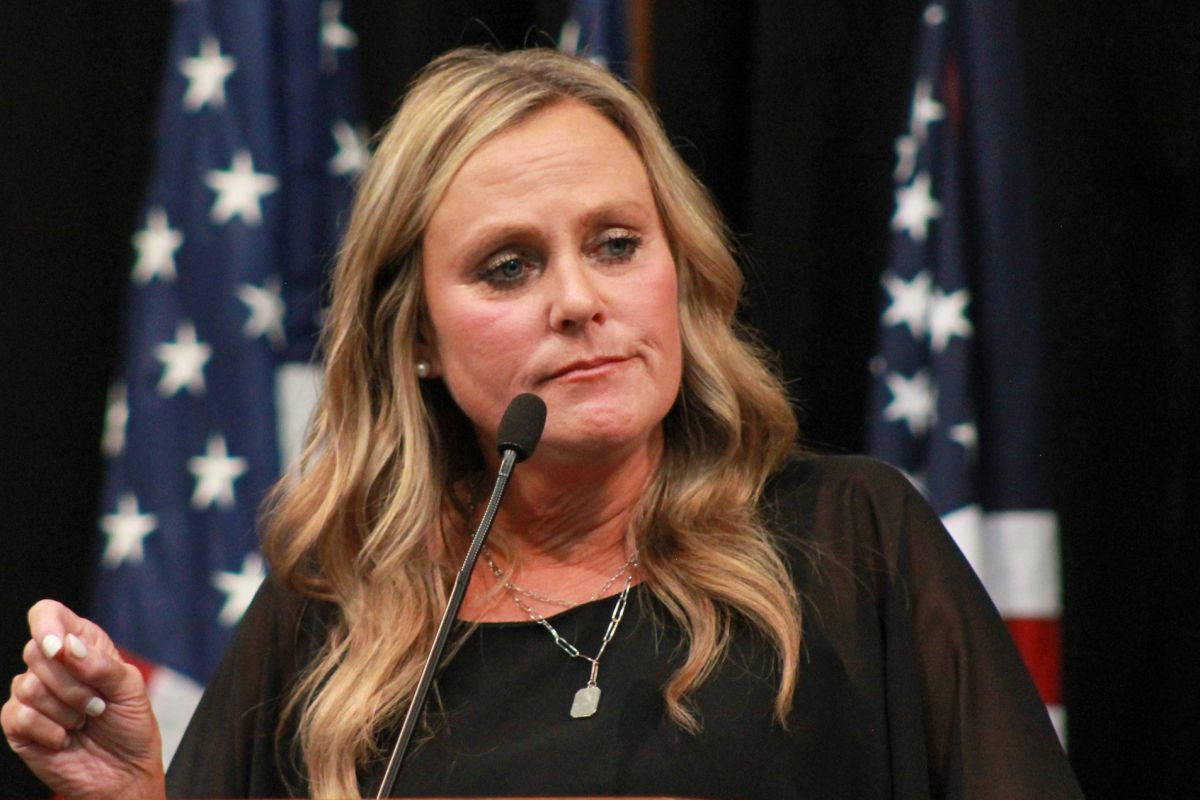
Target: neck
x=561 y=510
x=563 y=529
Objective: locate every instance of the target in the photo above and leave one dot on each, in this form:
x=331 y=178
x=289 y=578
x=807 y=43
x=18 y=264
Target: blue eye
x=619 y=247
x=505 y=271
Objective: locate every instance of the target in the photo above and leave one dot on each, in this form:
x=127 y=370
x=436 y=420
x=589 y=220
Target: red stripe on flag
x=1039 y=641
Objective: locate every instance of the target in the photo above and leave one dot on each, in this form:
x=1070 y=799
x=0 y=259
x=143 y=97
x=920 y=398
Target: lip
x=587 y=369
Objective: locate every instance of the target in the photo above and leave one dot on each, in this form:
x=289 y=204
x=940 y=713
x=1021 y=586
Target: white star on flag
x=948 y=318
x=116 y=417
x=266 y=311
x=183 y=361
x=967 y=435
x=215 y=472
x=206 y=74
x=906 y=157
x=156 y=245
x=239 y=190
x=925 y=110
x=334 y=34
x=914 y=400
x=351 y=157
x=239 y=588
x=125 y=531
x=909 y=303
x=915 y=208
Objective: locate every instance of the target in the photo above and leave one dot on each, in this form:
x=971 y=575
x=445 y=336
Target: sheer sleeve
x=964 y=718
x=232 y=747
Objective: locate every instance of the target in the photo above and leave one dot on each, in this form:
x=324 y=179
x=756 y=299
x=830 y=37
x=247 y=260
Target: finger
x=103 y=669
x=25 y=726
x=32 y=692
x=51 y=623
x=50 y=618
x=60 y=681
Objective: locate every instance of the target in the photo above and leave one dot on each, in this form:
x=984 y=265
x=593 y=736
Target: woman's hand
x=79 y=716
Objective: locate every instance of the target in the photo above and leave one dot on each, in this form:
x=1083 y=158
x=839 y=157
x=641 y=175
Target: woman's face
x=547 y=270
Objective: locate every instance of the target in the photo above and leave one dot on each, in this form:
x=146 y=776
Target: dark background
x=1115 y=101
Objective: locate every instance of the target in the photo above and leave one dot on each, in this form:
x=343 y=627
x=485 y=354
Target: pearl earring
x=423 y=368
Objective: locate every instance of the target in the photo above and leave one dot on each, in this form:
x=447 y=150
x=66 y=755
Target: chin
x=599 y=432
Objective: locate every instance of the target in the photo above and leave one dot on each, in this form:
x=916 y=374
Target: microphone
x=518 y=435
x=521 y=426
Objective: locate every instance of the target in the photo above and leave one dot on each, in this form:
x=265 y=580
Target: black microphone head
x=521 y=426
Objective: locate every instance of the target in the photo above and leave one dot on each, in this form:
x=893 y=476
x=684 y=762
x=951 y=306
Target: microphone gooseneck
x=518 y=435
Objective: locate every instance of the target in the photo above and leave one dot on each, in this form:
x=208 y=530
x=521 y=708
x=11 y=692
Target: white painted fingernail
x=95 y=707
x=76 y=646
x=51 y=645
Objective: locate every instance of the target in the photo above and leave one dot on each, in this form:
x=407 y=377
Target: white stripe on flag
x=297 y=387
x=1021 y=551
x=1015 y=554
x=174 y=697
x=966 y=528
x=1058 y=718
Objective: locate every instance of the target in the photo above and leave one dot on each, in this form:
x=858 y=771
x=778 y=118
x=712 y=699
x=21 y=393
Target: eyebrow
x=479 y=242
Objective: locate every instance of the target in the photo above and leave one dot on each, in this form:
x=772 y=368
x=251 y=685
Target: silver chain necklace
x=554 y=601
x=587 y=699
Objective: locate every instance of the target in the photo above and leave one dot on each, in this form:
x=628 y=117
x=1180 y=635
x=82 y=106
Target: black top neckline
x=567 y=614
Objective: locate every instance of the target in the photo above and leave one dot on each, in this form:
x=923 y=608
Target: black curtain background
x=788 y=111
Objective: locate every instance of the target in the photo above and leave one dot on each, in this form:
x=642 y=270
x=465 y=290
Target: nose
x=576 y=298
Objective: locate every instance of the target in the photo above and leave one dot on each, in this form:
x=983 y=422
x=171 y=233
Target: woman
x=635 y=625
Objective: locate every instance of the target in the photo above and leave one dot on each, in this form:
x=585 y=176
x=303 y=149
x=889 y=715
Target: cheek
x=658 y=300
x=462 y=330
x=477 y=350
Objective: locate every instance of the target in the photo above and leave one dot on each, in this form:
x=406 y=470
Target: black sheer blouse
x=909 y=685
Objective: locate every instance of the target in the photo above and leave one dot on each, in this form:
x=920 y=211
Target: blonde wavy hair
x=371 y=518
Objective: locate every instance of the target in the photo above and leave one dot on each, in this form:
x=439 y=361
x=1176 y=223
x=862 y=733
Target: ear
x=426 y=349
x=422 y=355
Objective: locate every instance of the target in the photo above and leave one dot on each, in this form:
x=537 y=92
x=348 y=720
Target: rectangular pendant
x=586 y=701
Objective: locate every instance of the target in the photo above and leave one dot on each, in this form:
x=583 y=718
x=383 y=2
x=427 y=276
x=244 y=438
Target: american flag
x=598 y=30
x=956 y=397
x=258 y=145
